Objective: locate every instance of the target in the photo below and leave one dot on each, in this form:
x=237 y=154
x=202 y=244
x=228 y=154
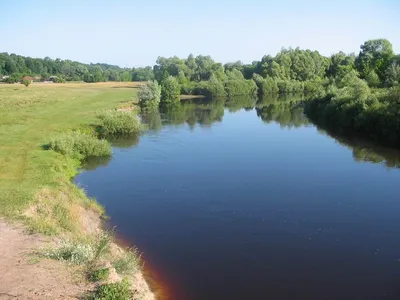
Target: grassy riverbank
x=29 y=118
x=35 y=183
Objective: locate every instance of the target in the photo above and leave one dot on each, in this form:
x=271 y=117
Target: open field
x=29 y=117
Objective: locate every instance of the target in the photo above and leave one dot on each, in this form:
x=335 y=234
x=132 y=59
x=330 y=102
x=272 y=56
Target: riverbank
x=38 y=197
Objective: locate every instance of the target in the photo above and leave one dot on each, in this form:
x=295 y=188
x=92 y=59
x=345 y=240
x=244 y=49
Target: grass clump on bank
x=128 y=263
x=99 y=275
x=79 y=252
x=71 y=252
x=78 y=145
x=112 y=291
x=113 y=122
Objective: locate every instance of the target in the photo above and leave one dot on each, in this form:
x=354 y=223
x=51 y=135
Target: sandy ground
x=24 y=276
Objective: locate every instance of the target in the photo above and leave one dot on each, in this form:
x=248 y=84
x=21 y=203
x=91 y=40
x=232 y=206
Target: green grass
x=113 y=291
x=39 y=180
x=98 y=275
x=128 y=263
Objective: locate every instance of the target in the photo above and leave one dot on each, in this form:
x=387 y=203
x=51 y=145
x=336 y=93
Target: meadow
x=30 y=117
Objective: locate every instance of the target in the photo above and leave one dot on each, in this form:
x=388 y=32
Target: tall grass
x=78 y=145
x=113 y=122
x=128 y=263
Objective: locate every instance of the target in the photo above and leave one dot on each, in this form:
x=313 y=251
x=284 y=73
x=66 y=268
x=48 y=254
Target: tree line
x=14 y=67
x=289 y=71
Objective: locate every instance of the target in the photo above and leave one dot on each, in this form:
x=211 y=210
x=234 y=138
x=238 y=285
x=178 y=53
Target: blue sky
x=135 y=33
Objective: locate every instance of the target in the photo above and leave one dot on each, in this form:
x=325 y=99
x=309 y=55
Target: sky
x=134 y=33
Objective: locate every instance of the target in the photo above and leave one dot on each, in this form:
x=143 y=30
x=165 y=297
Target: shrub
x=170 y=90
x=128 y=263
x=71 y=252
x=237 y=87
x=80 y=145
x=265 y=86
x=113 y=122
x=57 y=79
x=26 y=82
x=99 y=275
x=78 y=252
x=149 y=95
x=112 y=291
x=213 y=88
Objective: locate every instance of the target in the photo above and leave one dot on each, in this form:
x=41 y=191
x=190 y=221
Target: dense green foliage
x=265 y=85
x=375 y=56
x=213 y=88
x=170 y=90
x=149 y=96
x=78 y=145
x=354 y=109
x=238 y=87
x=114 y=122
x=19 y=66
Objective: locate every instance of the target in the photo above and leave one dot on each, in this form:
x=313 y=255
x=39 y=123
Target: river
x=246 y=200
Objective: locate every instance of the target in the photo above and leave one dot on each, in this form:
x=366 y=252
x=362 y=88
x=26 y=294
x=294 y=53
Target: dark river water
x=245 y=200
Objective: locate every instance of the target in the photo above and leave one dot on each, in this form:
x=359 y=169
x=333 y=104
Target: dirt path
x=22 y=276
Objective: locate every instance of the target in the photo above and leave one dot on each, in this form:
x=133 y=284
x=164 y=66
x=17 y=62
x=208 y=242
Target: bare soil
x=24 y=276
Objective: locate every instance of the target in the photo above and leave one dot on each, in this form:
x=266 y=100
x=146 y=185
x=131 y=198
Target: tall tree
x=375 y=55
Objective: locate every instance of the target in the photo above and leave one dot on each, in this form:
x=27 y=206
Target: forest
x=348 y=93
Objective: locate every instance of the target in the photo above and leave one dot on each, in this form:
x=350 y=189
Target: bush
x=237 y=87
x=265 y=86
x=56 y=79
x=71 y=252
x=170 y=90
x=13 y=78
x=212 y=88
x=80 y=145
x=26 y=82
x=149 y=95
x=78 y=252
x=113 y=122
x=113 y=291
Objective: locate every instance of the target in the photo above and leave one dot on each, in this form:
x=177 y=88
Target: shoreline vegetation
x=48 y=130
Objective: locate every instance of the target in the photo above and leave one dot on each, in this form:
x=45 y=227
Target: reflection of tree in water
x=153 y=120
x=201 y=111
x=287 y=111
x=364 y=151
x=124 y=141
x=94 y=162
x=237 y=103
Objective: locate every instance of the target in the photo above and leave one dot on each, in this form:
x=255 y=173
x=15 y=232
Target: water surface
x=245 y=200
